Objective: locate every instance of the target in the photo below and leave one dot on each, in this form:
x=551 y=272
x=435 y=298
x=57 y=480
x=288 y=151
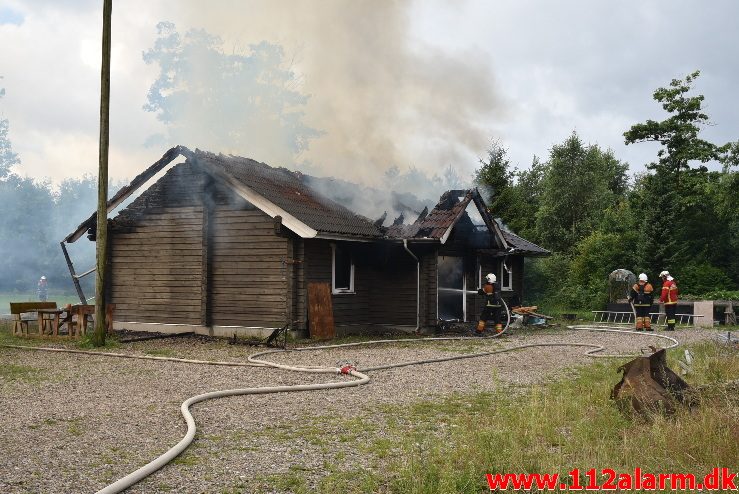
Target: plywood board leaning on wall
x=320 y=311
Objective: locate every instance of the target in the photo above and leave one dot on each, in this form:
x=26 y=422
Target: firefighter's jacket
x=642 y=294
x=492 y=294
x=669 y=292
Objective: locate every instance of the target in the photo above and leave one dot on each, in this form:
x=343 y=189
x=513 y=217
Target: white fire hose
x=362 y=378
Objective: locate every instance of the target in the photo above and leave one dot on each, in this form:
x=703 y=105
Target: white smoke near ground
x=378 y=97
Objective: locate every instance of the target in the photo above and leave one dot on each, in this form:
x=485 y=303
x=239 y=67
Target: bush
x=543 y=277
x=716 y=295
x=703 y=278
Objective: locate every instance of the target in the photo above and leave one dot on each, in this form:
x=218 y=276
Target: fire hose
x=360 y=375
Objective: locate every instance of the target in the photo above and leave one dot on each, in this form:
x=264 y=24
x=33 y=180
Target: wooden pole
x=101 y=237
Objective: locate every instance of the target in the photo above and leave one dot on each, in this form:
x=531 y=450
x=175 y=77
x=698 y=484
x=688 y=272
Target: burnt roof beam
x=126 y=191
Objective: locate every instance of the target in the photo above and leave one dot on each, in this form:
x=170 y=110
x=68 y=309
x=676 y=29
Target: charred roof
x=288 y=190
x=288 y=194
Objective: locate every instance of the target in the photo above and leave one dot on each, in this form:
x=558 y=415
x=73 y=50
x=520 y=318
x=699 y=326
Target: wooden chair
x=81 y=315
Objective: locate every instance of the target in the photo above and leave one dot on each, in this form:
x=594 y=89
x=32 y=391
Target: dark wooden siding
x=300 y=312
x=393 y=288
x=384 y=283
x=249 y=277
x=190 y=251
x=517 y=262
x=429 y=266
x=156 y=252
x=348 y=308
x=156 y=267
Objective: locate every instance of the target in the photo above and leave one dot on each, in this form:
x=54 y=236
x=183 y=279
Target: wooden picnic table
x=48 y=317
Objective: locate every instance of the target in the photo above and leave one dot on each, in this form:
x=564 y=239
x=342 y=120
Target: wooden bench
x=20 y=311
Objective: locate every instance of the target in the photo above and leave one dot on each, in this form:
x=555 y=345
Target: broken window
x=342 y=270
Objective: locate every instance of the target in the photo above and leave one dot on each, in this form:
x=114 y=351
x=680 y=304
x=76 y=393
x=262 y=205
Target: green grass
x=85 y=342
x=20 y=373
x=291 y=481
x=447 y=446
x=186 y=459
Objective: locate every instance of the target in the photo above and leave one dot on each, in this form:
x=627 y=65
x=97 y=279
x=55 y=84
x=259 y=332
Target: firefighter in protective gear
x=493 y=304
x=669 y=298
x=42 y=289
x=642 y=296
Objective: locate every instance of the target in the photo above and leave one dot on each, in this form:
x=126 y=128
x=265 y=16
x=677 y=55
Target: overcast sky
x=424 y=84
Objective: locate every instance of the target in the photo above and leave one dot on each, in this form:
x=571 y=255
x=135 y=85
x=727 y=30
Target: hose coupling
x=346 y=367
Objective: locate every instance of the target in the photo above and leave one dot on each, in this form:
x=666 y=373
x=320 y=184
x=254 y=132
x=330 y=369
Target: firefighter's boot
x=498 y=328
x=480 y=328
x=670 y=325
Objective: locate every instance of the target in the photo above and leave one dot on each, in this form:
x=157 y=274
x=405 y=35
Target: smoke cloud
x=378 y=95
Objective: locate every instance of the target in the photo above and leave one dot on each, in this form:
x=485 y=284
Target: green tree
x=596 y=256
x=686 y=214
x=7 y=157
x=576 y=190
x=227 y=101
x=512 y=195
x=27 y=249
x=678 y=134
x=727 y=212
x=524 y=197
x=495 y=178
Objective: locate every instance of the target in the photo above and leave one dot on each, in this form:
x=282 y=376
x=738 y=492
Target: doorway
x=451 y=289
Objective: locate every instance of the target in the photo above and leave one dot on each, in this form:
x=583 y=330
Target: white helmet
x=43 y=277
x=664 y=273
x=491 y=278
x=643 y=277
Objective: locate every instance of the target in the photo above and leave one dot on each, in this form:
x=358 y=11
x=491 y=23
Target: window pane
x=506 y=276
x=342 y=268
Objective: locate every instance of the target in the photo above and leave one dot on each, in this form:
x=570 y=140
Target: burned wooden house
x=222 y=245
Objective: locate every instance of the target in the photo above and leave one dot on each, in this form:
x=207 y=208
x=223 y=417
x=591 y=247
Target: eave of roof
x=129 y=189
x=521 y=245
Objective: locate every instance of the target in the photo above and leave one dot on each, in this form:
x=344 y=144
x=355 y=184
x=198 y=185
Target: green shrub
x=701 y=278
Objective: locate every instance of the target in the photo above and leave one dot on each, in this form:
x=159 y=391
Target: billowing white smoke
x=378 y=95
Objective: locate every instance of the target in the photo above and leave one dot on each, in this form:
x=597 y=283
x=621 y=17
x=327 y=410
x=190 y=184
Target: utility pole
x=101 y=237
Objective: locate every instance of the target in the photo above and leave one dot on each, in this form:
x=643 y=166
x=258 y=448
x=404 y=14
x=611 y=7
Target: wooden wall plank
x=249 y=284
x=156 y=255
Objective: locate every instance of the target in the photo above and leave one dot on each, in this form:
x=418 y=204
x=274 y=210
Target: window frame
x=509 y=286
x=334 y=289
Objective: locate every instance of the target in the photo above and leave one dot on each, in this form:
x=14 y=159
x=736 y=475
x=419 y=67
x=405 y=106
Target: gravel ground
x=73 y=423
